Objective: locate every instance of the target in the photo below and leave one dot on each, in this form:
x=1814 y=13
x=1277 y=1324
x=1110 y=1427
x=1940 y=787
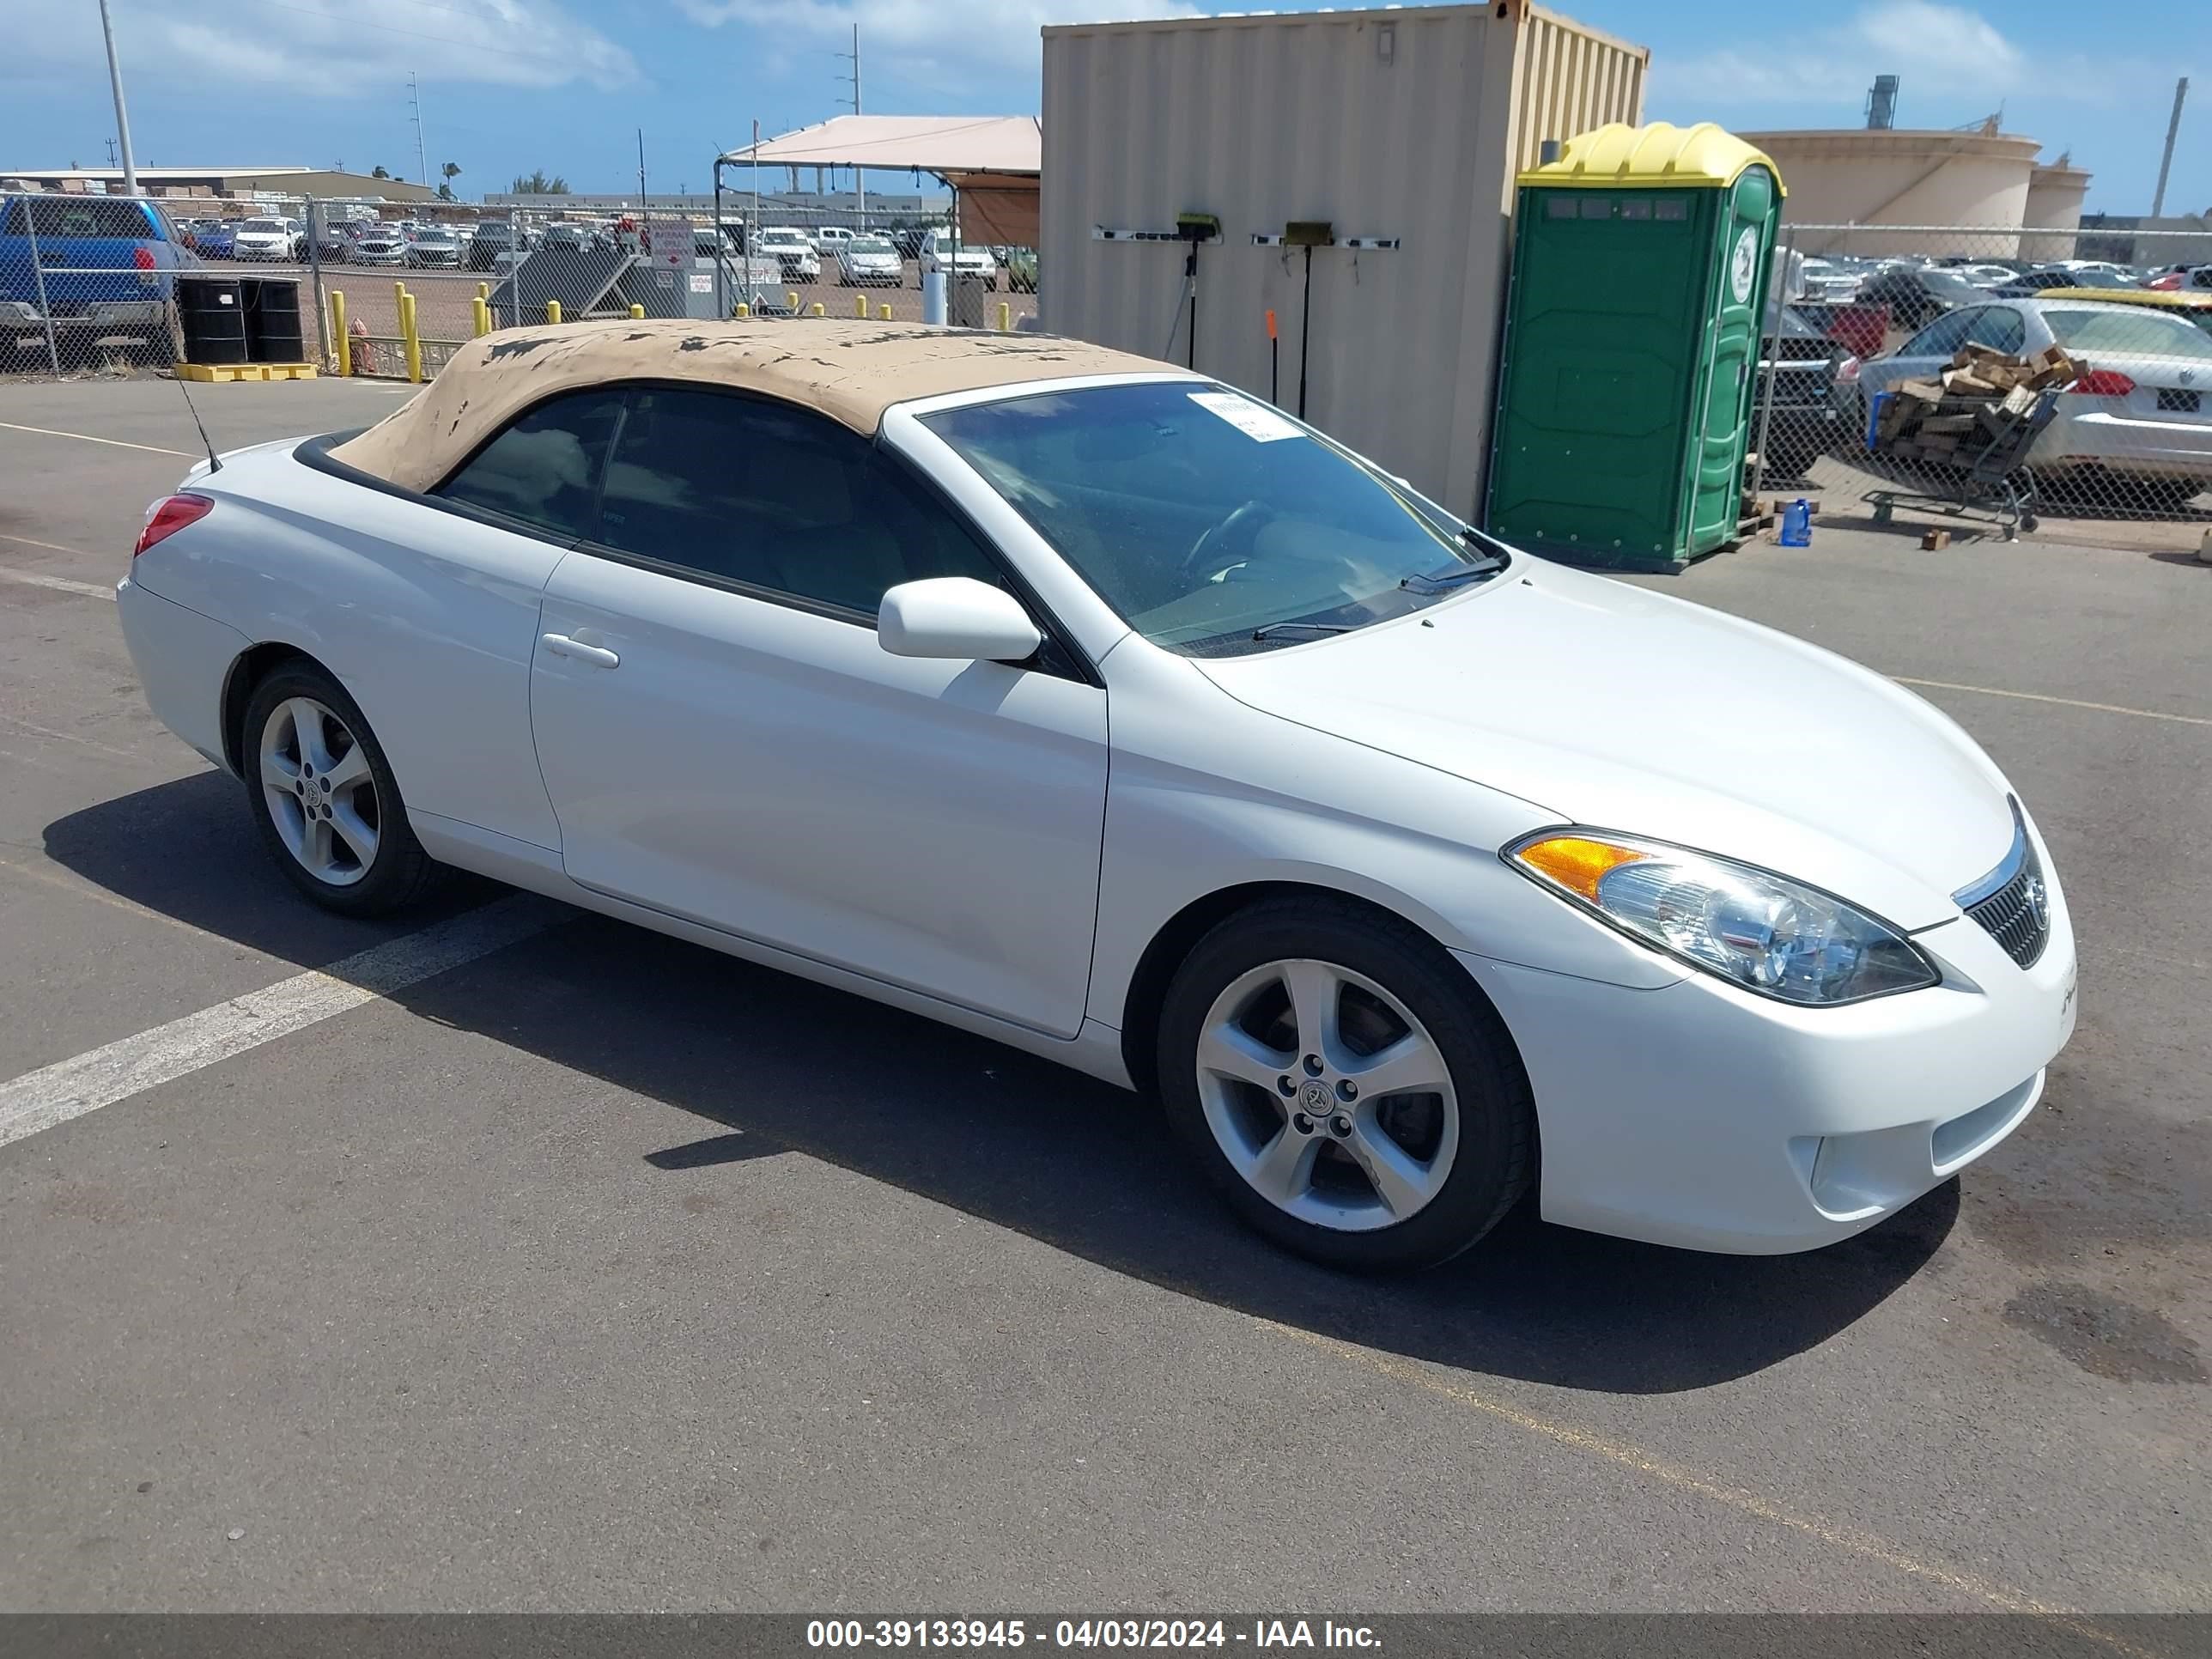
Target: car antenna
x=214 y=463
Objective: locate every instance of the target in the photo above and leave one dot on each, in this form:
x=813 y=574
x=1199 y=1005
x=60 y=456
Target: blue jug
x=1797 y=524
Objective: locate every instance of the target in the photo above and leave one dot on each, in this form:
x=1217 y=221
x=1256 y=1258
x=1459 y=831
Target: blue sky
x=509 y=85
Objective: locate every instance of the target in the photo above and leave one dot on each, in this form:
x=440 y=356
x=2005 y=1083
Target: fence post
x=552 y=311
x=315 y=275
x=1773 y=364
x=342 y=341
x=39 y=278
x=411 y=340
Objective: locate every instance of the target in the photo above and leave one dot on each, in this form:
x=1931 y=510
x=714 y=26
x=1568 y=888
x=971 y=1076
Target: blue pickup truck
x=103 y=268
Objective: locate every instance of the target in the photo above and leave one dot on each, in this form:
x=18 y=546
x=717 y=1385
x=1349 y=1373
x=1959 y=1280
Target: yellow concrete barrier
x=1006 y=318
x=552 y=311
x=637 y=311
x=338 y=335
x=410 y=338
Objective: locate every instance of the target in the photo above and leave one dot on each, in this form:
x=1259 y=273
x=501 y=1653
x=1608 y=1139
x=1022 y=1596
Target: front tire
x=1346 y=1085
x=324 y=798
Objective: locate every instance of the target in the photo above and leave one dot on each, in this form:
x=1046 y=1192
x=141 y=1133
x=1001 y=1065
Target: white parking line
x=62 y=584
x=113 y=443
x=71 y=1088
x=2064 y=702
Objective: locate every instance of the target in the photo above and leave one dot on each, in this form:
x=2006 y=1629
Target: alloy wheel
x=321 y=791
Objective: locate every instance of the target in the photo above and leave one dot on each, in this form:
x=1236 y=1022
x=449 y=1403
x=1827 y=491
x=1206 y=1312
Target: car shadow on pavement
x=769 y=1062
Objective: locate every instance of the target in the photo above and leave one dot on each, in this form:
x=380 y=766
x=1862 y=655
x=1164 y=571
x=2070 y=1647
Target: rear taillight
x=2103 y=383
x=1847 y=371
x=169 y=515
x=143 y=257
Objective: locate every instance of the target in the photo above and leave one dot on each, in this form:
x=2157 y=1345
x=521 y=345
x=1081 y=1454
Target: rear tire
x=1353 y=1164
x=324 y=798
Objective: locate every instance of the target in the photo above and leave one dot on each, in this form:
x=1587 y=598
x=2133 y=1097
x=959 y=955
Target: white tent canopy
x=942 y=144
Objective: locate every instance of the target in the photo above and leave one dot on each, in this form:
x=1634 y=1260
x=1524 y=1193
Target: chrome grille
x=2011 y=903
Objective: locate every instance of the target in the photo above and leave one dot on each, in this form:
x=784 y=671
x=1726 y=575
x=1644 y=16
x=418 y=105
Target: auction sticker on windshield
x=1254 y=420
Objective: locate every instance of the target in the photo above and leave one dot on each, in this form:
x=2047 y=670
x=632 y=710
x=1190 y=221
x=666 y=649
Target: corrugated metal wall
x=1568 y=79
x=1384 y=123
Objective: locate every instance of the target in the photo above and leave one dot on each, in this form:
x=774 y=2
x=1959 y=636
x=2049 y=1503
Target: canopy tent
x=992 y=163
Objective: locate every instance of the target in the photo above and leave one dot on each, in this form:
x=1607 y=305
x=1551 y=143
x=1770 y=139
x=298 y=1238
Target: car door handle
x=561 y=645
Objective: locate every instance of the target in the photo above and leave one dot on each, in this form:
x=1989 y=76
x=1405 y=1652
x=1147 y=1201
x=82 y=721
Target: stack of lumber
x=1929 y=420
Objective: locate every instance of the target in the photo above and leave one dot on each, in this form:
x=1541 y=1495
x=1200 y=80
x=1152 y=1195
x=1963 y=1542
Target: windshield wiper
x=1269 y=630
x=1438 y=580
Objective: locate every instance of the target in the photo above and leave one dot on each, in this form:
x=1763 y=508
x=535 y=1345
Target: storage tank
x=1391 y=138
x=2054 y=204
x=1903 y=176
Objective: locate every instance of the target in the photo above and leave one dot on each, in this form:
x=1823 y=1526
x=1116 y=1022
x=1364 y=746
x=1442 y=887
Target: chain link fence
x=2006 y=380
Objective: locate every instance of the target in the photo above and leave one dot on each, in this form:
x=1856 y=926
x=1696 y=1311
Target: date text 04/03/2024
x=1262 y=1635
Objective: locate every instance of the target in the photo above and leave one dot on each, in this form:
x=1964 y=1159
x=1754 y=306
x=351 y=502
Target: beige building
x=1905 y=176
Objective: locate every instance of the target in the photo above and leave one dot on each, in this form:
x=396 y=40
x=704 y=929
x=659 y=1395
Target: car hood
x=1610 y=706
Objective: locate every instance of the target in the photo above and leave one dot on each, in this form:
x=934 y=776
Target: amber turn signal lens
x=1576 y=862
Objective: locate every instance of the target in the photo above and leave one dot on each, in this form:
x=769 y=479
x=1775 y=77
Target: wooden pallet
x=246 y=371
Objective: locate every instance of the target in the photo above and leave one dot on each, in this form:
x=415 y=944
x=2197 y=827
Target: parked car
x=908 y=238
x=380 y=244
x=794 y=254
x=434 y=247
x=1022 y=270
x=828 y=238
x=941 y=254
x=1826 y=280
x=2137 y=416
x=495 y=237
x=2178 y=278
x=1813 y=398
x=564 y=233
x=216 y=239
x=2029 y=284
x=2197 y=307
x=267 y=239
x=1916 y=297
x=869 y=262
x=1299 y=882
x=103 y=274
x=334 y=240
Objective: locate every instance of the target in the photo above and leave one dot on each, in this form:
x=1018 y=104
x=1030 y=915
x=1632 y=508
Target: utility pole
x=422 y=160
x=859 y=187
x=2165 y=161
x=111 y=152
x=640 y=169
x=122 y=119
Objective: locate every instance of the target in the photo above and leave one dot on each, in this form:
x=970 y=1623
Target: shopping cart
x=1991 y=478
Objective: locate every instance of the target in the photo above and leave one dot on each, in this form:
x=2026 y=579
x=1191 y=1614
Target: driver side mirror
x=954 y=617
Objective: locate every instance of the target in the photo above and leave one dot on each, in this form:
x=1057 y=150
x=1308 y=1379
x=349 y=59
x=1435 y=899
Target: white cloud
x=335 y=48
x=1941 y=51
x=955 y=47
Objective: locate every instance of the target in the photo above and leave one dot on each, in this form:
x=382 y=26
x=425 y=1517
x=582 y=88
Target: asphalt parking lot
x=556 y=1264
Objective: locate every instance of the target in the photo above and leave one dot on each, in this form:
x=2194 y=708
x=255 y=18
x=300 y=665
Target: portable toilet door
x=1627 y=376
x=1746 y=215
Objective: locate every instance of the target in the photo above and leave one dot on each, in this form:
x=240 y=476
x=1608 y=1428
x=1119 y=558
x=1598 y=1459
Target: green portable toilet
x=1627 y=376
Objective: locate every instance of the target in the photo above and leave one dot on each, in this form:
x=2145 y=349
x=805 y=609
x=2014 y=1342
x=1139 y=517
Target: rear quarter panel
x=427 y=617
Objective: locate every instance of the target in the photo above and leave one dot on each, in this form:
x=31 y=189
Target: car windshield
x=1945 y=286
x=785 y=236
x=2135 y=332
x=261 y=224
x=1211 y=523
x=870 y=245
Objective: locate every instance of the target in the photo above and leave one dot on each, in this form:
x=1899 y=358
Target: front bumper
x=1698 y=1114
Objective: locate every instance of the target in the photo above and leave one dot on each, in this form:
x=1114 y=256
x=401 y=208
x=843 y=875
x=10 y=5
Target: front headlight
x=1753 y=928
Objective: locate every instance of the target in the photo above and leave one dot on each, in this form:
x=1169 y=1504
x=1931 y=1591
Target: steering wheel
x=1216 y=548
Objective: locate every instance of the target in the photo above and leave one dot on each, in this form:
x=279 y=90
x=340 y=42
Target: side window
x=543 y=470
x=773 y=497
x=1997 y=327
x=1940 y=338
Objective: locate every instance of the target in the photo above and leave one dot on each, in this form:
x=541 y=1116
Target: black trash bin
x=211 y=311
x=273 y=333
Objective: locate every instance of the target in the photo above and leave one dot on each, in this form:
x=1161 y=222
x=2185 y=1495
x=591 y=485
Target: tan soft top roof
x=850 y=371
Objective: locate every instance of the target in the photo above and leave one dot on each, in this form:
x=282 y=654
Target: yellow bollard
x=338 y=335
x=743 y=310
x=815 y=310
x=484 y=290
x=410 y=338
x=791 y=301
x=482 y=316
x=859 y=304
x=886 y=313
x=552 y=311
x=637 y=311
x=1006 y=318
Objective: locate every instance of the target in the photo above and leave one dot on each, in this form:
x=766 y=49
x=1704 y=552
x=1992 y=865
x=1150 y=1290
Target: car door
x=724 y=740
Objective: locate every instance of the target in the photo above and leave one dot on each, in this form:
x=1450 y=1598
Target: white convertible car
x=1071 y=699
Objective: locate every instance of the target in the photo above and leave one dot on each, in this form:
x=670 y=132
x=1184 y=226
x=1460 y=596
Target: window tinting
x=543 y=469
x=1943 y=336
x=1997 y=328
x=776 y=498
x=83 y=217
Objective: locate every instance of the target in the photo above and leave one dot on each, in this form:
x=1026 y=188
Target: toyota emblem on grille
x=2038 y=900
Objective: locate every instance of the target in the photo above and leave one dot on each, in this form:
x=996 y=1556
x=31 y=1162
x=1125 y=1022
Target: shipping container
x=1401 y=131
